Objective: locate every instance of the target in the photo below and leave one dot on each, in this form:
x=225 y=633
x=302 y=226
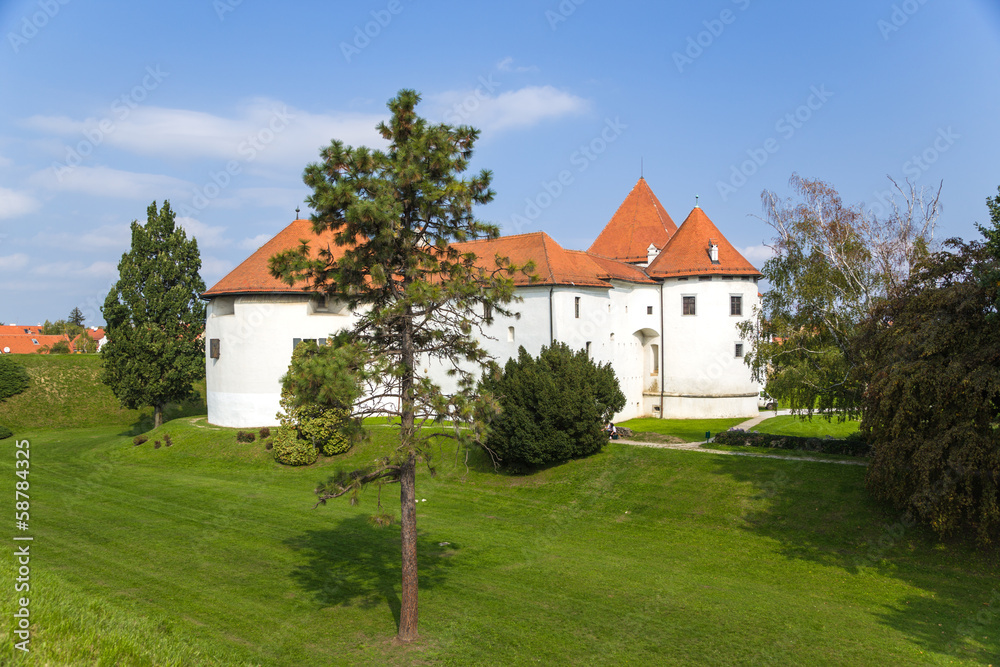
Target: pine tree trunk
x=158 y=415
x=408 y=519
x=408 y=489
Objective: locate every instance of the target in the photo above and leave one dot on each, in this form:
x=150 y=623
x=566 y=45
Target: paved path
x=747 y=425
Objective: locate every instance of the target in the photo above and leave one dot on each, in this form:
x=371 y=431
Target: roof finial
x=696 y=201
x=296 y=212
x=640 y=167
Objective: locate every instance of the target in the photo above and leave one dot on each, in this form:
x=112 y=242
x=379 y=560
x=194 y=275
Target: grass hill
x=66 y=392
x=207 y=552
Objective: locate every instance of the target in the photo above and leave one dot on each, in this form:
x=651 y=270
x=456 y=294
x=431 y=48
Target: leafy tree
x=76 y=317
x=931 y=357
x=14 y=379
x=832 y=264
x=552 y=408
x=394 y=214
x=59 y=347
x=59 y=328
x=155 y=317
x=84 y=343
x=327 y=427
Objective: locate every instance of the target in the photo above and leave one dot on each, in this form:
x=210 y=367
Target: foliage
x=59 y=347
x=245 y=436
x=932 y=404
x=291 y=450
x=852 y=445
x=139 y=439
x=14 y=378
x=155 y=317
x=264 y=432
x=552 y=408
x=59 y=328
x=76 y=317
x=328 y=426
x=84 y=343
x=5 y=432
x=832 y=263
x=394 y=215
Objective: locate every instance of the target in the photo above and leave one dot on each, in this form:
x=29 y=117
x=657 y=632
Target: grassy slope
x=817 y=427
x=633 y=555
x=688 y=430
x=66 y=392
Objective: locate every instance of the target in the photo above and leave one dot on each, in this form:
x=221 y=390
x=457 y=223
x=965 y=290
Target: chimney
x=713 y=251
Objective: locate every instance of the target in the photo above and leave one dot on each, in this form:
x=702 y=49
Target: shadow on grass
x=823 y=514
x=357 y=563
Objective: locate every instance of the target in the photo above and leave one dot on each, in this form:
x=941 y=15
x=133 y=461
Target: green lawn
x=688 y=430
x=208 y=553
x=817 y=427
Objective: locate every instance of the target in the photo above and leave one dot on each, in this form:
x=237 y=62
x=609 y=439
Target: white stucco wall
x=256 y=338
x=702 y=376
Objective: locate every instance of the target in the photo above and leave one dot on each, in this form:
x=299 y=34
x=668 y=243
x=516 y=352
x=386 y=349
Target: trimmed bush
x=14 y=379
x=5 y=433
x=167 y=441
x=853 y=445
x=291 y=450
x=139 y=439
x=156 y=445
x=325 y=428
x=245 y=436
x=553 y=408
x=265 y=432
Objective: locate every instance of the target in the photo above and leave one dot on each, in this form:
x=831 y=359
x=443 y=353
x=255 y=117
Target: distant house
x=661 y=303
x=29 y=343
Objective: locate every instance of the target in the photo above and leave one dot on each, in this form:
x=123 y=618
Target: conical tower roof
x=640 y=221
x=689 y=252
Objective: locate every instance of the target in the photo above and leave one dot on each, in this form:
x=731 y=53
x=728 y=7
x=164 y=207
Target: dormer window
x=713 y=251
x=651 y=252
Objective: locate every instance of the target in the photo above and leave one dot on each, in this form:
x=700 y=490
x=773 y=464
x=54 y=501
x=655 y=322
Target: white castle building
x=661 y=303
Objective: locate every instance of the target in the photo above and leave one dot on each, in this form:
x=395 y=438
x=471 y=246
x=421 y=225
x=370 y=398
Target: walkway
x=747 y=425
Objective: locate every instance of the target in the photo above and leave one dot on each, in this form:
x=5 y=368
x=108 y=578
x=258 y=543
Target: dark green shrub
x=245 y=436
x=291 y=450
x=167 y=441
x=853 y=445
x=5 y=433
x=552 y=408
x=265 y=432
x=14 y=379
x=269 y=445
x=139 y=439
x=156 y=445
x=325 y=428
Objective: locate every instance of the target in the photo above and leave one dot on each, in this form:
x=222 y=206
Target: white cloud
x=105 y=236
x=757 y=254
x=256 y=242
x=14 y=203
x=207 y=235
x=76 y=270
x=108 y=182
x=214 y=268
x=525 y=107
x=507 y=65
x=99 y=270
x=13 y=262
x=262 y=130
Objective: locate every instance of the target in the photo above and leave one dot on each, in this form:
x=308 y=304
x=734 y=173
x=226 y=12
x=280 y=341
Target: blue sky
x=218 y=105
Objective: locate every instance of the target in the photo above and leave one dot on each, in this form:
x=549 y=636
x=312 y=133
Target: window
x=689 y=305
x=213 y=348
x=736 y=305
x=510 y=334
x=727 y=277
x=35 y=341
x=488 y=312
x=704 y=279
x=649 y=310
x=739 y=349
x=576 y=306
x=684 y=278
x=655 y=350
x=588 y=348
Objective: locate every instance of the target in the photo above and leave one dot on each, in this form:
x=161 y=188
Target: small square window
x=704 y=279
x=510 y=334
x=588 y=348
x=689 y=305
x=739 y=349
x=649 y=310
x=213 y=348
x=736 y=305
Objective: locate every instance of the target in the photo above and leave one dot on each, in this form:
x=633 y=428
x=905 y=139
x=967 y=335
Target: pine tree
x=76 y=317
x=155 y=317
x=395 y=213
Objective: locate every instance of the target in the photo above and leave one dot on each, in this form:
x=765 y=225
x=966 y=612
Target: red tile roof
x=554 y=265
x=638 y=222
x=615 y=270
x=253 y=275
x=26 y=343
x=687 y=253
x=18 y=329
